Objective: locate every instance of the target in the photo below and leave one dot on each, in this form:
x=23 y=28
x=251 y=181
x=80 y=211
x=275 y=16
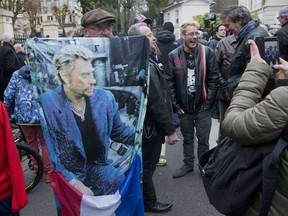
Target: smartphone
x=268 y=49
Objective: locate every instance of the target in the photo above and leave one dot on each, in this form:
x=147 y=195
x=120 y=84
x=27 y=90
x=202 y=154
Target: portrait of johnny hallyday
x=91 y=102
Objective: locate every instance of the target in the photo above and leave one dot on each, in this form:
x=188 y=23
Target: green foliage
x=154 y=10
x=108 y=5
x=212 y=24
x=255 y=17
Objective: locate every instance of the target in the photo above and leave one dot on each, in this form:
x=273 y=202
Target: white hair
x=7 y=37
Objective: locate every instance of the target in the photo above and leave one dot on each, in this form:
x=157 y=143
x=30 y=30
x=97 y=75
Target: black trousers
x=151 y=150
x=6 y=207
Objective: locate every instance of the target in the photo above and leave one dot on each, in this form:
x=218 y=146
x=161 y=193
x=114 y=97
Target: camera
x=268 y=49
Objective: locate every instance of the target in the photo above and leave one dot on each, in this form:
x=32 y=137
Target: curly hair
x=236 y=13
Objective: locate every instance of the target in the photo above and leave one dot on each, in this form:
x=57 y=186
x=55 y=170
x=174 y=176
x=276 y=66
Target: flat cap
x=97 y=16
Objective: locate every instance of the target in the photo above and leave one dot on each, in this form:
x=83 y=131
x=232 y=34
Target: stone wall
x=5 y=22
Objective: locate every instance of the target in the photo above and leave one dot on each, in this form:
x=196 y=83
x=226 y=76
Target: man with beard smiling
x=194 y=78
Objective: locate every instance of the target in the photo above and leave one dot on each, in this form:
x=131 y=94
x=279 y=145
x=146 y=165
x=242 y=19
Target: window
x=39 y=20
x=177 y=17
x=72 y=18
x=49 y=17
x=49 y=6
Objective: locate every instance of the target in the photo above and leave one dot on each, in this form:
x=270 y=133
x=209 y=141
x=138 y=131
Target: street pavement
x=187 y=193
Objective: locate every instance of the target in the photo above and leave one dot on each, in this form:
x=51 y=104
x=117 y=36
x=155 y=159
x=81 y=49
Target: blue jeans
x=201 y=121
x=175 y=119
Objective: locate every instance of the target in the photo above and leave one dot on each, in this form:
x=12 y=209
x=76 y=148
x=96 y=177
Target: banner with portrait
x=92 y=99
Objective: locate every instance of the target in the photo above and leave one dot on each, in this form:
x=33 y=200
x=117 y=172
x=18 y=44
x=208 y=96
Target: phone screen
x=271 y=52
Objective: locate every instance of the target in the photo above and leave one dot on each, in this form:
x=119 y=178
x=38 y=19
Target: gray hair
x=235 y=13
x=7 y=37
x=64 y=59
x=284 y=13
x=135 y=29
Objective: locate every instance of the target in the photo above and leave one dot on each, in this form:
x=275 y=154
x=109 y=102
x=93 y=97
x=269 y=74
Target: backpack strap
x=270 y=175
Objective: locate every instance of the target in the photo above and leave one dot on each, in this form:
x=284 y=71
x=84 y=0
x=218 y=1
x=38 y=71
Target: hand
x=282 y=69
x=206 y=105
x=254 y=51
x=181 y=112
x=172 y=139
x=81 y=187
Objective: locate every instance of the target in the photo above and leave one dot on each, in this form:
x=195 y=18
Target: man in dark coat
x=166 y=43
x=282 y=33
x=237 y=19
x=9 y=62
x=220 y=33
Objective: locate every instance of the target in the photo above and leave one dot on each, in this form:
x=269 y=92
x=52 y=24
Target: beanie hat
x=7 y=37
x=168 y=26
x=97 y=16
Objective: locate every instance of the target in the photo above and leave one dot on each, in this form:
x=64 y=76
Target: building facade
x=184 y=10
x=46 y=24
x=267 y=10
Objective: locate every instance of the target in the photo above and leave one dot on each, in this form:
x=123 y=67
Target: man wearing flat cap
x=282 y=33
x=98 y=23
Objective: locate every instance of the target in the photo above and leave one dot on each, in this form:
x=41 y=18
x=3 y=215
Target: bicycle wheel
x=27 y=156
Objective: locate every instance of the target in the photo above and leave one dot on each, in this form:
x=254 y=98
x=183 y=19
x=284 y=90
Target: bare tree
x=31 y=11
x=127 y=6
x=60 y=14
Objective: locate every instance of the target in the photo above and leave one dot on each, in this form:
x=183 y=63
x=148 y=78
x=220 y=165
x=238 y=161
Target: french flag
x=127 y=201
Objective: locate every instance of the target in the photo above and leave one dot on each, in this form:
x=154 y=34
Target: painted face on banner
x=81 y=80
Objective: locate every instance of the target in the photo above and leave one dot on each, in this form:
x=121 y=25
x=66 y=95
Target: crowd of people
x=189 y=81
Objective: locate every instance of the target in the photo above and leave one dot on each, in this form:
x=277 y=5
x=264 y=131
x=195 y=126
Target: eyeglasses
x=191 y=34
x=101 y=27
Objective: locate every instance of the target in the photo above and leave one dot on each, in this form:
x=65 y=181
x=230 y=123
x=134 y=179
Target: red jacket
x=11 y=173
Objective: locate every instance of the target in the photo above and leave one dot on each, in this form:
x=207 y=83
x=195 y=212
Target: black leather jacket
x=207 y=81
x=242 y=52
x=158 y=119
x=242 y=57
x=282 y=35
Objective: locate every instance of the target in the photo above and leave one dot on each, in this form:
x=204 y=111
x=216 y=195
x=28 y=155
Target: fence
x=21 y=38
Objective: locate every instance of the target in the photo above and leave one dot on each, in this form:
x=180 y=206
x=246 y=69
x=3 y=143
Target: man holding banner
x=92 y=131
x=157 y=124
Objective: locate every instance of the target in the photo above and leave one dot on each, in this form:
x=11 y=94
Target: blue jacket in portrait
x=64 y=140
